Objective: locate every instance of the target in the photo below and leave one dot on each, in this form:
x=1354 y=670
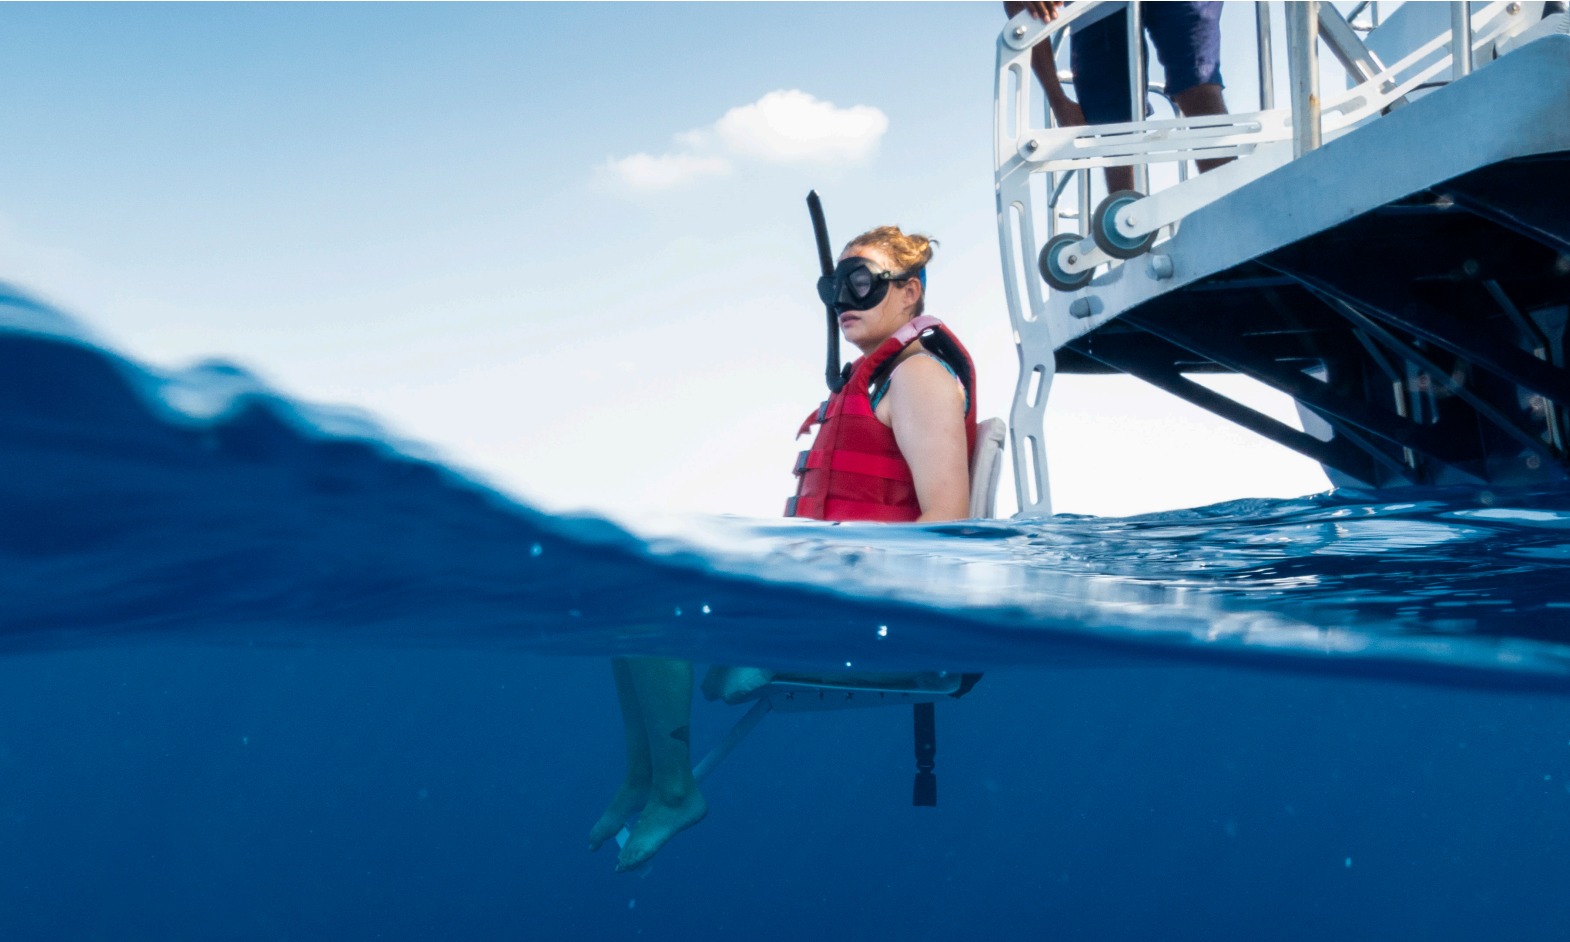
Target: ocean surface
x=266 y=673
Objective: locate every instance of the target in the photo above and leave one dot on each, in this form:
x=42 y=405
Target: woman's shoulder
x=922 y=368
x=919 y=360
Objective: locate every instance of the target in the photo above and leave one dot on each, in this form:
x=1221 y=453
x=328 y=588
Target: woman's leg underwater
x=634 y=791
x=664 y=694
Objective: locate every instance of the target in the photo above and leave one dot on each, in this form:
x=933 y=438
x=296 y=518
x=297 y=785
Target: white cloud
x=787 y=126
x=791 y=126
x=662 y=172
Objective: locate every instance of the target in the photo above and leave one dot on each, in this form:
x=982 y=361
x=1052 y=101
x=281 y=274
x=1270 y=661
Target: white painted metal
x=1136 y=82
x=1461 y=39
x=1303 y=71
x=1261 y=141
x=1184 y=139
x=1267 y=85
x=1557 y=24
x=986 y=469
x=1343 y=42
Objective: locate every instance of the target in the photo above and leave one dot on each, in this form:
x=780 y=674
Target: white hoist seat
x=795 y=692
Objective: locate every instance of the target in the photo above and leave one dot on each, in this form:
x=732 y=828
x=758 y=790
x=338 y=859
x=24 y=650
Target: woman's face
x=866 y=329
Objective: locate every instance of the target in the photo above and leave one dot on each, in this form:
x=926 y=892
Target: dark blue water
x=268 y=676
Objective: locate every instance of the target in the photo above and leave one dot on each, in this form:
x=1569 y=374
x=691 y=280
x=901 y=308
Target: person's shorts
x=1187 y=37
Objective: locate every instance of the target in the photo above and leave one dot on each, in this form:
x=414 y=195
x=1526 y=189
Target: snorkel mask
x=858 y=284
x=853 y=285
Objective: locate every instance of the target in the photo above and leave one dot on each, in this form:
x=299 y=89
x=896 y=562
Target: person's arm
x=927 y=407
x=1044 y=64
x=1064 y=108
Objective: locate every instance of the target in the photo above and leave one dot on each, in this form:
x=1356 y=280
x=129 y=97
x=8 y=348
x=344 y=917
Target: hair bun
x=907 y=252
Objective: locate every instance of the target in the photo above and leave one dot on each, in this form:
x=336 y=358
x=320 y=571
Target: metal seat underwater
x=788 y=692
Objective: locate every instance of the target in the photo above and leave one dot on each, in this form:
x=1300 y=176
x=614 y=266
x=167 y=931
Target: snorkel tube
x=832 y=373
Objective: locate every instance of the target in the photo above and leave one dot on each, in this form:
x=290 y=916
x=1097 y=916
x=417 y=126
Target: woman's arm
x=927 y=407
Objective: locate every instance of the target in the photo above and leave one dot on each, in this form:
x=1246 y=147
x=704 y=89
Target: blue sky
x=427 y=212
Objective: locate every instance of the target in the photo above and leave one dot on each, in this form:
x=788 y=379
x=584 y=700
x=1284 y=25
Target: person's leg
x=1119 y=179
x=1098 y=54
x=1187 y=37
x=664 y=690
x=634 y=791
x=1202 y=100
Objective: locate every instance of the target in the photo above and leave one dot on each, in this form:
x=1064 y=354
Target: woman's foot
x=661 y=820
x=629 y=798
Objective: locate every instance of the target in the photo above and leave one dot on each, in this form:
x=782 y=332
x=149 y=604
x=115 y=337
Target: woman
x=894 y=446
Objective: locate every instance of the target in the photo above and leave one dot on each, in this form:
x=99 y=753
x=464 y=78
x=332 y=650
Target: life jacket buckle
x=801 y=463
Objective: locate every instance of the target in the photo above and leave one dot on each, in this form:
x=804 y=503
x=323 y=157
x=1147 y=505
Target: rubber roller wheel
x=1052 y=260
x=1103 y=227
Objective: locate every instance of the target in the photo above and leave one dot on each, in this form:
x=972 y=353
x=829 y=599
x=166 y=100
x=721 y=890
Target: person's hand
x=1067 y=111
x=1044 y=10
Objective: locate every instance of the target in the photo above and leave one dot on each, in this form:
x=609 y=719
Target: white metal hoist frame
x=1123 y=253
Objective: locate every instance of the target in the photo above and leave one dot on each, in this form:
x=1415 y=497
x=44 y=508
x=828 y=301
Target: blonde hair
x=909 y=253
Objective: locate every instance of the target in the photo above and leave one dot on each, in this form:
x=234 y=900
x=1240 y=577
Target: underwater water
x=266 y=675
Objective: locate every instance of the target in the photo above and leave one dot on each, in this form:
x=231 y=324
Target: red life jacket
x=854 y=470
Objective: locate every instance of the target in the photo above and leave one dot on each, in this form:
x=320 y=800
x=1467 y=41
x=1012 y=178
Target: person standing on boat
x=1187 y=37
x=894 y=446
